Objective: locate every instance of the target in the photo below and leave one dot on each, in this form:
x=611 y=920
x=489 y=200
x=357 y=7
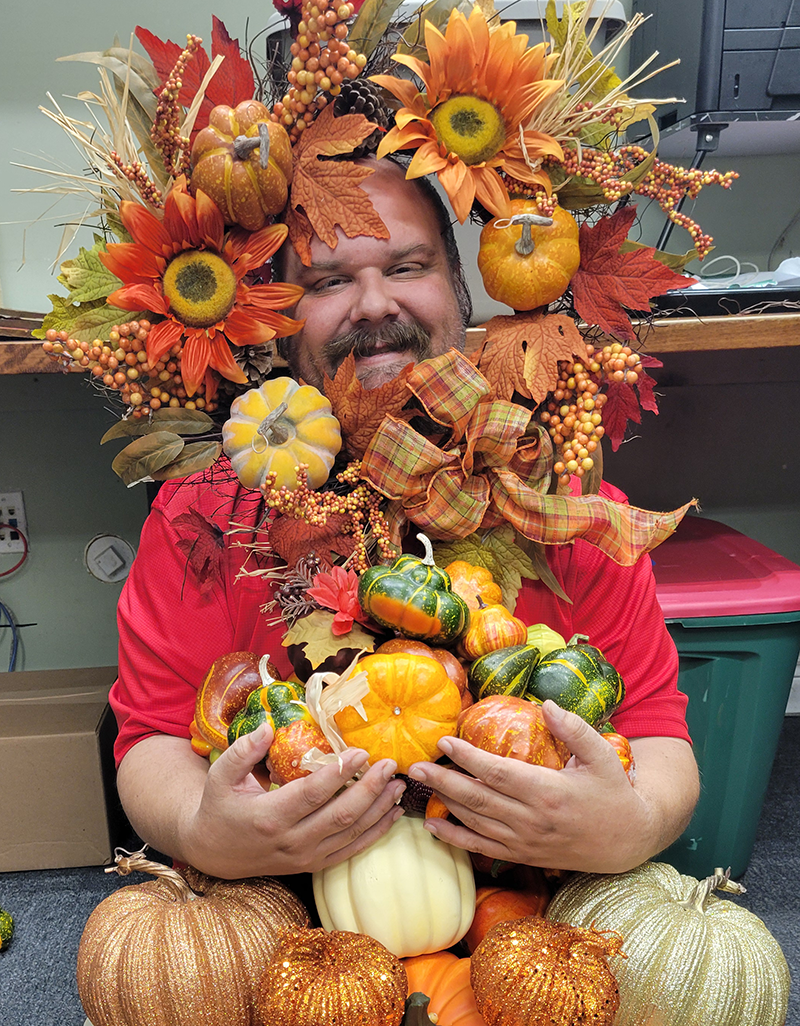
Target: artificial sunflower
x=482 y=88
x=188 y=270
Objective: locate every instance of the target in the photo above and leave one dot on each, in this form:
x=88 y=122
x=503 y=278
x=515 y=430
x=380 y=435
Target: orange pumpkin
x=471 y=582
x=445 y=979
x=410 y=705
x=513 y=727
x=501 y=904
x=528 y=265
x=243 y=161
x=455 y=671
x=491 y=627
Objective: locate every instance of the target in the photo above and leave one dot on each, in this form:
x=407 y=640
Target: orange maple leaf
x=360 y=410
x=327 y=193
x=521 y=353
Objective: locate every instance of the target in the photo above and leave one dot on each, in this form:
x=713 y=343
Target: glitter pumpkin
x=532 y=971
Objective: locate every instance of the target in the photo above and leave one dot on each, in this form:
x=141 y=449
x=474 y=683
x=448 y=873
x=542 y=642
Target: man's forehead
x=362 y=250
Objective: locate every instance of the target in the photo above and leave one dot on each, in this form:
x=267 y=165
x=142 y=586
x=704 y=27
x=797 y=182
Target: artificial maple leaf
x=315 y=632
x=609 y=282
x=292 y=538
x=621 y=406
x=203 y=549
x=327 y=193
x=645 y=386
x=232 y=83
x=360 y=410
x=521 y=353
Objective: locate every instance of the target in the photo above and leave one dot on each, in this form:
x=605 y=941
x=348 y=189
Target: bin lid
x=708 y=569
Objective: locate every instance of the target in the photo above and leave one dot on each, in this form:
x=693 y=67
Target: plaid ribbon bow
x=491 y=472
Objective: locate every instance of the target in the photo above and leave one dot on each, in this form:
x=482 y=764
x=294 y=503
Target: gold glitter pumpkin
x=531 y=971
x=690 y=957
x=164 y=953
x=318 y=978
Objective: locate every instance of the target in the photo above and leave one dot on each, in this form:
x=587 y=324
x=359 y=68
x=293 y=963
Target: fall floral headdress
x=209 y=162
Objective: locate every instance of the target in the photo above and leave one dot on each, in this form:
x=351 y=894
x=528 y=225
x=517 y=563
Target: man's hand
x=222 y=821
x=586 y=816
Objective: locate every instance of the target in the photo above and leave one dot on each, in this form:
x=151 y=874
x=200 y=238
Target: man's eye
x=407 y=269
x=327 y=283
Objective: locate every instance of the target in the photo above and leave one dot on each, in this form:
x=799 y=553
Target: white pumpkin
x=408 y=890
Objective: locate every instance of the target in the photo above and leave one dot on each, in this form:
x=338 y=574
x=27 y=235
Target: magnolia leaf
x=177 y=419
x=315 y=632
x=84 y=322
x=370 y=25
x=675 y=261
x=360 y=411
x=85 y=276
x=537 y=553
x=139 y=460
x=194 y=456
x=126 y=428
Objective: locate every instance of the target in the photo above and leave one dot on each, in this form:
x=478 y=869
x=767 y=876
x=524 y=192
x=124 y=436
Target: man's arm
x=586 y=816
x=221 y=821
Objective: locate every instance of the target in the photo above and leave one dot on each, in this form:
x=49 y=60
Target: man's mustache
x=389 y=338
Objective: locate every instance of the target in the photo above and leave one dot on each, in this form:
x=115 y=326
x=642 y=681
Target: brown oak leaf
x=521 y=353
x=292 y=538
x=360 y=410
x=327 y=193
x=203 y=549
x=609 y=282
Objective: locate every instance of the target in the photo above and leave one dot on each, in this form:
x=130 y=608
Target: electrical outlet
x=12 y=516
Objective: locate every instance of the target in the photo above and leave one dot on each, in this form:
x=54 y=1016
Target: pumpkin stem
x=126 y=863
x=270 y=430
x=417 y=1011
x=243 y=145
x=427 y=559
x=263 y=669
x=525 y=245
x=721 y=880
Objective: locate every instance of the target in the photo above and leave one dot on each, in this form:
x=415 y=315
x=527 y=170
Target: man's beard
x=411 y=339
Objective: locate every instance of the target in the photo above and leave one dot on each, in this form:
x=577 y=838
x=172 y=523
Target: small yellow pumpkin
x=274 y=428
x=528 y=264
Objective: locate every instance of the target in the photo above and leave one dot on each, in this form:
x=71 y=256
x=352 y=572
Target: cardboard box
x=58 y=801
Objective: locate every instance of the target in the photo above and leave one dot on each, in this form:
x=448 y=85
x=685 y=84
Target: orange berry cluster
x=573 y=415
x=135 y=172
x=165 y=133
x=321 y=60
x=523 y=190
x=361 y=507
x=121 y=365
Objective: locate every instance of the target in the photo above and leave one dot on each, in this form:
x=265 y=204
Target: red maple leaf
x=645 y=386
x=203 y=548
x=292 y=538
x=608 y=282
x=232 y=83
x=621 y=406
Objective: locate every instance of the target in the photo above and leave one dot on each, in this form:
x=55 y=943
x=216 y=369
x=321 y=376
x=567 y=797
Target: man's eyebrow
x=327 y=266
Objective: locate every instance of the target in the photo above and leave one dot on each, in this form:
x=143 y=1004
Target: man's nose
x=374 y=302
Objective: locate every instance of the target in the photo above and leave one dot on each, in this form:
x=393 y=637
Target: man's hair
x=445 y=225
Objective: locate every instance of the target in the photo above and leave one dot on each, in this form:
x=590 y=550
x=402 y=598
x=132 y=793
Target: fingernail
x=445 y=746
x=554 y=711
x=360 y=759
x=431 y=825
x=389 y=769
x=416 y=772
x=397 y=790
x=397 y=813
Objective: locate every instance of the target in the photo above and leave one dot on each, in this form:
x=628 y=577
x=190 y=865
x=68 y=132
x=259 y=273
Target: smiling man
x=390 y=301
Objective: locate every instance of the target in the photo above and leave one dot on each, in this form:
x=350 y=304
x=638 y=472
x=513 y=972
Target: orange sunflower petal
x=278 y=295
x=405 y=91
x=416 y=133
x=249 y=250
x=458 y=183
x=131 y=262
x=462 y=58
x=145 y=229
x=139 y=297
x=210 y=222
x=420 y=68
x=211 y=383
x=490 y=191
x=426 y=160
x=195 y=358
x=180 y=217
x=526 y=99
x=438 y=56
x=245 y=329
x=162 y=338
x=221 y=359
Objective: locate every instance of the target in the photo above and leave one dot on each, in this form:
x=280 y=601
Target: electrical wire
x=24 y=555
x=12 y=660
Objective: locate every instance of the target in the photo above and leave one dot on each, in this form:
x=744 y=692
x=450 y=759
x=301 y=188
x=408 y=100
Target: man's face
x=390 y=301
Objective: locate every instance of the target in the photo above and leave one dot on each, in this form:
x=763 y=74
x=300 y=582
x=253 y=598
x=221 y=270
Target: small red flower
x=338 y=590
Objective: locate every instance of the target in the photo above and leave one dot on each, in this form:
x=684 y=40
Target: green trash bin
x=732 y=607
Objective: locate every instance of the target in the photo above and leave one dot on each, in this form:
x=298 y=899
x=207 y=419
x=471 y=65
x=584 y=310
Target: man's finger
x=585 y=743
x=237 y=762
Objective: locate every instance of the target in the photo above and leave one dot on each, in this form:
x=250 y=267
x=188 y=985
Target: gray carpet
x=37 y=971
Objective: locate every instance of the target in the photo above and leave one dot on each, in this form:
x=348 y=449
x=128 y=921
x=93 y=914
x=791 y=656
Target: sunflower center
x=471 y=128
x=200 y=287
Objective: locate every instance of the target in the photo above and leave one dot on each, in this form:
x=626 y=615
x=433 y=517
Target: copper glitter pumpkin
x=163 y=953
x=318 y=978
x=526 y=972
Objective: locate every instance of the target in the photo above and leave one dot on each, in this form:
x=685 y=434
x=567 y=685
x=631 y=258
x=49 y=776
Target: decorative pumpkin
x=415 y=597
x=228 y=683
x=243 y=161
x=444 y=978
x=332 y=979
x=410 y=706
x=491 y=627
x=529 y=262
x=274 y=428
x=472 y=582
x=533 y=971
x=578 y=678
x=6 y=928
x=409 y=891
x=513 y=727
x=691 y=957
x=501 y=904
x=455 y=671
x=182 y=949
x=504 y=672
x=544 y=638
x=622 y=747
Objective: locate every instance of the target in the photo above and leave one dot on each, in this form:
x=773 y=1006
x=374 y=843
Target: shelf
x=20 y=354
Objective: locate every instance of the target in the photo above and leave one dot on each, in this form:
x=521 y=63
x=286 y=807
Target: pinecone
x=360 y=96
x=255 y=361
